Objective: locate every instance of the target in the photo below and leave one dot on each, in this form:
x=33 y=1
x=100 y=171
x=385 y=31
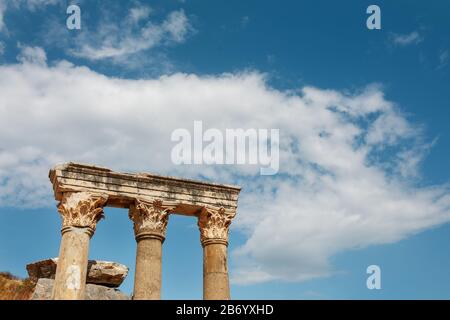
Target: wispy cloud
x=137 y=14
x=116 y=41
x=412 y=38
x=444 y=56
x=2 y=14
x=35 y=4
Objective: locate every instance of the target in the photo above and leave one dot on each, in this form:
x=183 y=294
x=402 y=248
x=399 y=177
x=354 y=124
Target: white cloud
x=388 y=128
x=406 y=39
x=409 y=160
x=2 y=48
x=116 y=41
x=176 y=25
x=139 y=13
x=33 y=55
x=330 y=195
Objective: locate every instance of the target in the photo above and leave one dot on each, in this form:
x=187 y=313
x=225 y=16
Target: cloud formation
x=444 y=56
x=406 y=39
x=342 y=182
x=116 y=41
x=33 y=55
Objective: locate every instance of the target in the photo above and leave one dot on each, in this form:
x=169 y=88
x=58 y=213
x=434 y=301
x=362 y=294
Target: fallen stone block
x=104 y=273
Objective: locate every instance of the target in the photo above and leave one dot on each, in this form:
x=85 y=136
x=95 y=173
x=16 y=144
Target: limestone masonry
x=83 y=191
x=106 y=273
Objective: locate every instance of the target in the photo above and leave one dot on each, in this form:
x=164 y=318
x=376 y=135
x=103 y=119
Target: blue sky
x=374 y=192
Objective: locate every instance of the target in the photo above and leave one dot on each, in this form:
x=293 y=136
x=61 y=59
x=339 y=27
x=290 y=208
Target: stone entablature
x=123 y=189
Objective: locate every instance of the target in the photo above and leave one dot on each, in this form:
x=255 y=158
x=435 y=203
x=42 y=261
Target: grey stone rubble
x=106 y=273
x=103 y=279
x=44 y=287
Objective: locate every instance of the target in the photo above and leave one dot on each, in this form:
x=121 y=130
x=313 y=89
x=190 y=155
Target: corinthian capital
x=81 y=209
x=150 y=217
x=214 y=224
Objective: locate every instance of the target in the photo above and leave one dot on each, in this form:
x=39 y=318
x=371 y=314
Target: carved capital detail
x=214 y=224
x=150 y=217
x=81 y=209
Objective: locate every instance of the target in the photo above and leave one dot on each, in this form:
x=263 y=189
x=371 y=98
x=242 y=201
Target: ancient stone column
x=150 y=222
x=214 y=224
x=80 y=212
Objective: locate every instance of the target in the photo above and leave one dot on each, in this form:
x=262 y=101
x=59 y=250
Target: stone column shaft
x=80 y=213
x=215 y=272
x=148 y=275
x=150 y=223
x=214 y=224
x=70 y=278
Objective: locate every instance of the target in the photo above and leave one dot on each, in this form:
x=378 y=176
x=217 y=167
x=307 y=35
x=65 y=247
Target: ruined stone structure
x=102 y=281
x=83 y=192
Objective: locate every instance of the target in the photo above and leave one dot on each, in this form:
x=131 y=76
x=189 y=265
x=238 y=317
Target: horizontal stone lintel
x=123 y=188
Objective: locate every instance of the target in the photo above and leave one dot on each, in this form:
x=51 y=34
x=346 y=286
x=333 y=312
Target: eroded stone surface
x=44 y=287
x=105 y=273
x=214 y=223
x=122 y=189
x=150 y=217
x=81 y=209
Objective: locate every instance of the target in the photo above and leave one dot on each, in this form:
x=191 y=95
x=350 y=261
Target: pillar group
x=83 y=192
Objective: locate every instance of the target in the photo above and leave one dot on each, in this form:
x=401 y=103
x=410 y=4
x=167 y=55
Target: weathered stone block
x=105 y=273
x=44 y=287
